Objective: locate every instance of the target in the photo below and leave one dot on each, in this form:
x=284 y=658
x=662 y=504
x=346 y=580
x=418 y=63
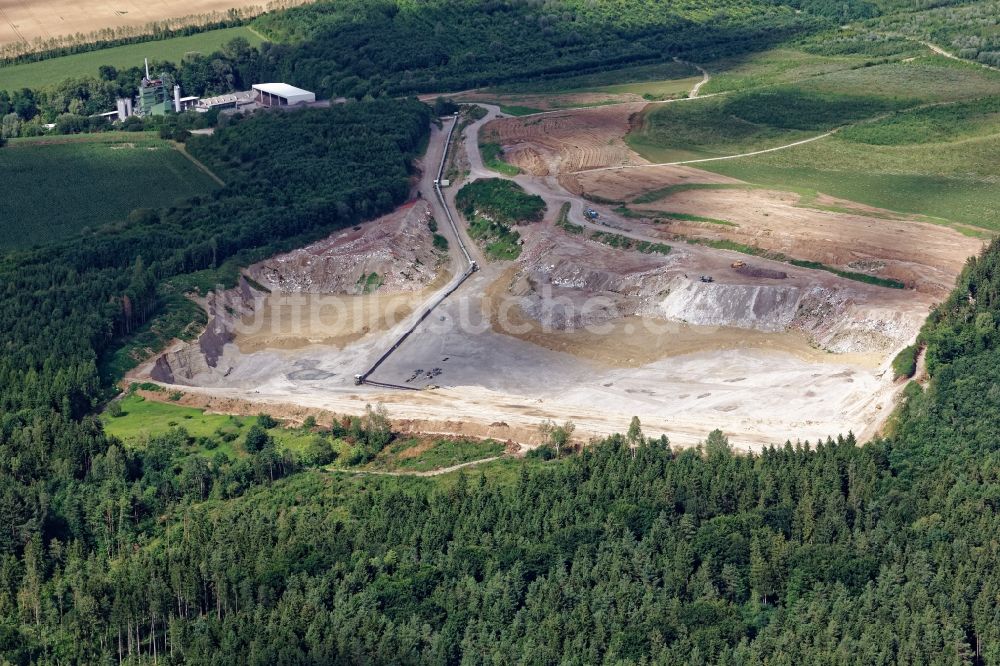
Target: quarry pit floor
x=474 y=377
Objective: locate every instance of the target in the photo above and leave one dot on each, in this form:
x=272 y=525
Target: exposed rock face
x=838 y=323
x=761 y=307
x=162 y=372
x=181 y=366
x=565 y=290
x=392 y=254
x=224 y=310
x=397 y=248
x=570 y=284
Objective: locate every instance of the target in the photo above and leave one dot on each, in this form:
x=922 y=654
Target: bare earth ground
x=579 y=330
x=923 y=256
x=567 y=141
x=626 y=184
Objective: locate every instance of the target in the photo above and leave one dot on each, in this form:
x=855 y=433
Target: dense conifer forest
x=625 y=552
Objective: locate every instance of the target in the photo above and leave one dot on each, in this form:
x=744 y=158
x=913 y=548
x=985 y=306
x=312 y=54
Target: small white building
x=282 y=94
x=187 y=103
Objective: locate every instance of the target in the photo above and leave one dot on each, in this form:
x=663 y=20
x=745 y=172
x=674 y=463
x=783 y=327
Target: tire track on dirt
x=714 y=159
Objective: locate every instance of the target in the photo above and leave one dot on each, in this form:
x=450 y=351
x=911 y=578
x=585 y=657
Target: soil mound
x=390 y=254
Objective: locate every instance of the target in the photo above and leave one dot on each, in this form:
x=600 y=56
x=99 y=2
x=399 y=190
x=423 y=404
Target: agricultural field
x=927 y=78
x=42 y=20
x=939 y=161
x=652 y=90
x=639 y=79
x=746 y=122
x=52 y=189
x=953 y=182
x=917 y=137
x=56 y=70
x=776 y=66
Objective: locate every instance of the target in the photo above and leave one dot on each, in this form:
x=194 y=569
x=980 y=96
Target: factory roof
x=280 y=89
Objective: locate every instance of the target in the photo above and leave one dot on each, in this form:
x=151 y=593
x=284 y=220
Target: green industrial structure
x=155 y=94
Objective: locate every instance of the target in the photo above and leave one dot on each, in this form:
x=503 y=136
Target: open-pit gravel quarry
x=575 y=329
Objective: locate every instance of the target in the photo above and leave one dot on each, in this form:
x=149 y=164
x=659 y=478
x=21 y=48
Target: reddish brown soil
x=566 y=141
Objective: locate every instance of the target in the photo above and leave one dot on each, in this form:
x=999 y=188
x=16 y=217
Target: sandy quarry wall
x=765 y=308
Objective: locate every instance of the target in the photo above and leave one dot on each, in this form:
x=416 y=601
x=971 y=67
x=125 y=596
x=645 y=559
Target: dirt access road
x=464 y=252
x=947 y=54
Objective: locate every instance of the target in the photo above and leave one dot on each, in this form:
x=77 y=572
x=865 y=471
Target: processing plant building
x=281 y=94
x=158 y=96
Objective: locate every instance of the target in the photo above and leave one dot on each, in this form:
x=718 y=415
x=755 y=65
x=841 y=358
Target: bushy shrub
x=905 y=363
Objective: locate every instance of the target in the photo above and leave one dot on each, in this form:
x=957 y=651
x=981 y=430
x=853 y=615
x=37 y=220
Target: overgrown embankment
x=492 y=207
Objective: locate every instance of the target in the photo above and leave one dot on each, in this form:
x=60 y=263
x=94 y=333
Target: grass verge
x=659 y=215
x=777 y=256
x=493 y=159
x=625 y=243
x=905 y=363
x=563 y=221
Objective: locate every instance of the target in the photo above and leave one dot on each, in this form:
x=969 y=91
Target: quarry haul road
x=555 y=195
x=704 y=78
x=458 y=281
